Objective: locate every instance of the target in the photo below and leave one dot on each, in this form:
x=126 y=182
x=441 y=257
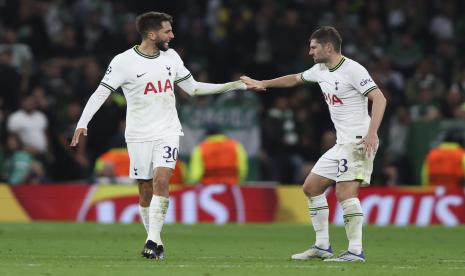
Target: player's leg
x=145 y=196
x=347 y=195
x=140 y=157
x=165 y=153
x=315 y=185
x=157 y=212
x=355 y=171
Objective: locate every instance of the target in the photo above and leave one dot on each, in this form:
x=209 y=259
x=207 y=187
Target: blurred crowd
x=53 y=54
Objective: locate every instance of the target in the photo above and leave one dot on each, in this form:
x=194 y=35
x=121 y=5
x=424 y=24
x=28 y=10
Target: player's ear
x=151 y=35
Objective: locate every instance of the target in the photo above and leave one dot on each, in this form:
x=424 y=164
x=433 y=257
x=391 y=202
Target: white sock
x=158 y=208
x=144 y=217
x=319 y=213
x=353 y=221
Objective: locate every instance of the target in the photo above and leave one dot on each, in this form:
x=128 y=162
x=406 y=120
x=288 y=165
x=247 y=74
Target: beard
x=320 y=60
x=161 y=45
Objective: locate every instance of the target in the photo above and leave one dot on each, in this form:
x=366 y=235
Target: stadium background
x=54 y=54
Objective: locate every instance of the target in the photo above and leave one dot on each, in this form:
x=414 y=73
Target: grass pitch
x=91 y=249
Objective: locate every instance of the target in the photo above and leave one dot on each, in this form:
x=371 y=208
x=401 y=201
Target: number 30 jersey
x=148 y=86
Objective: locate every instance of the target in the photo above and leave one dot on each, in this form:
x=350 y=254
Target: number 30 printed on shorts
x=170 y=154
x=343 y=166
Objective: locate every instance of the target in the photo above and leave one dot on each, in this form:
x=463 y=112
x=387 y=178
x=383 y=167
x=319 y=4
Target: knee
x=161 y=181
x=342 y=195
x=307 y=190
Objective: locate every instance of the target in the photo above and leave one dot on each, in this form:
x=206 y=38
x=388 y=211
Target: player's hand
x=252 y=84
x=76 y=135
x=370 y=143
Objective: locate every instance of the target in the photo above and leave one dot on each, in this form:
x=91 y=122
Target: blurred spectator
x=113 y=167
x=31 y=126
x=19 y=166
x=445 y=164
x=70 y=163
x=405 y=53
x=427 y=109
x=9 y=82
x=283 y=163
x=180 y=174
x=218 y=159
x=21 y=56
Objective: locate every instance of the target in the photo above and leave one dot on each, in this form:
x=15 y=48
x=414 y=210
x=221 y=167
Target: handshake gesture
x=254 y=85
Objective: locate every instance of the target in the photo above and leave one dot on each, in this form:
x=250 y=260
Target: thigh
x=165 y=152
x=354 y=165
x=140 y=160
x=327 y=165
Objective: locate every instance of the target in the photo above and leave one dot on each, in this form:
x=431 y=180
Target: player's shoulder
x=350 y=65
x=171 y=53
x=318 y=67
x=123 y=57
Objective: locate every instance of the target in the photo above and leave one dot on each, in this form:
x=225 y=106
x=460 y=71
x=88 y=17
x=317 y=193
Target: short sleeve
x=361 y=80
x=114 y=76
x=182 y=73
x=310 y=75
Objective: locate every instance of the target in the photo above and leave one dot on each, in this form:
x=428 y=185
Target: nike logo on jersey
x=141 y=75
x=170 y=161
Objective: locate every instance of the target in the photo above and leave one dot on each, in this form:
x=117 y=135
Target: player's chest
x=151 y=69
x=335 y=89
x=152 y=76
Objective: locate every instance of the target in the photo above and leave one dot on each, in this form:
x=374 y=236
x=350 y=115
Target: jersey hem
x=369 y=90
x=107 y=86
x=183 y=78
x=303 y=79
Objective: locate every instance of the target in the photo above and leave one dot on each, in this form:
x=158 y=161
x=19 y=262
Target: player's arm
x=92 y=106
x=281 y=82
x=377 y=112
x=195 y=88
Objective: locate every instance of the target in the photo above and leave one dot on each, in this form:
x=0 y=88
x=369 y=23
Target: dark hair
x=328 y=34
x=151 y=21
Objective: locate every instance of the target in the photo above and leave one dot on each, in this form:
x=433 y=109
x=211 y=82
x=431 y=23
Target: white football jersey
x=345 y=88
x=148 y=86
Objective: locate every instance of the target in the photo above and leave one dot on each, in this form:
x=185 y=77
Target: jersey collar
x=338 y=65
x=136 y=48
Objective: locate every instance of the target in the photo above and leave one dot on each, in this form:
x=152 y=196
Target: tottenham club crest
x=169 y=70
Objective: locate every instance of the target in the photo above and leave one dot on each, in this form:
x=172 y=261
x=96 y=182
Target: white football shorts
x=144 y=157
x=345 y=162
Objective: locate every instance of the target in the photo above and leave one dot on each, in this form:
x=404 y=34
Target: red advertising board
x=225 y=204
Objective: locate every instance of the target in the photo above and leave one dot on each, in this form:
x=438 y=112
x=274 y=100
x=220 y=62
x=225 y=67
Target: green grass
x=91 y=249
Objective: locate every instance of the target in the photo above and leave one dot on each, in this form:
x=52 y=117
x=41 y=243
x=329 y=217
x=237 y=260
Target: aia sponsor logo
x=332 y=99
x=158 y=87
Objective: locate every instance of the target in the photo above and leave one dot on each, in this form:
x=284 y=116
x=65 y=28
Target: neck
x=148 y=48
x=334 y=60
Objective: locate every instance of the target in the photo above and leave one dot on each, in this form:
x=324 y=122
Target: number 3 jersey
x=345 y=88
x=148 y=86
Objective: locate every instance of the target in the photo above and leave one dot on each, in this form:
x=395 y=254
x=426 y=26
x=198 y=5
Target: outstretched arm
x=195 y=88
x=281 y=82
x=93 y=104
